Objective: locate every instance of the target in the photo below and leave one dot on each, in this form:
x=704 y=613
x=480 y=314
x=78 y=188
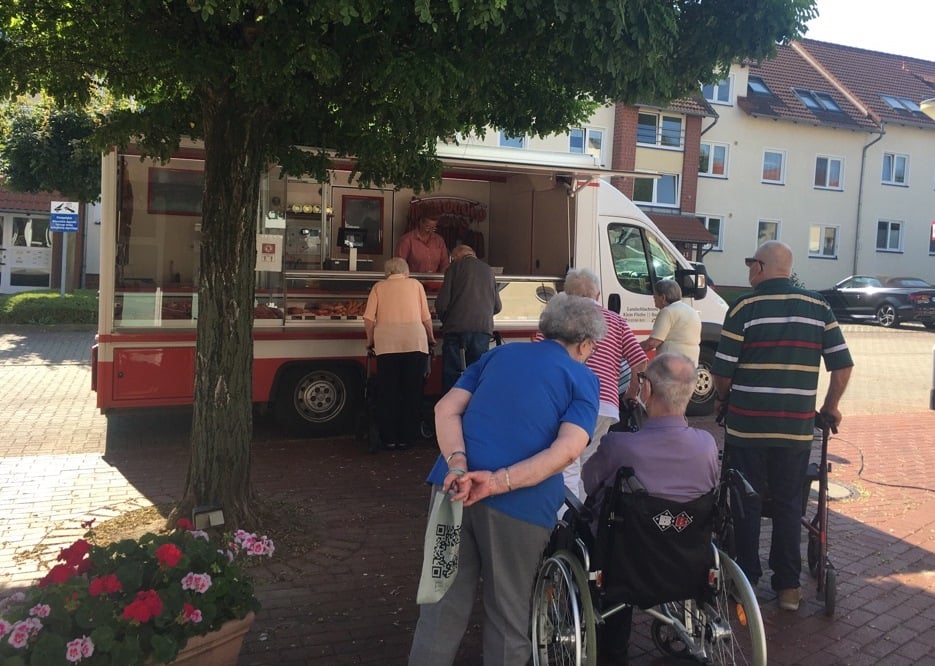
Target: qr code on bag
x=445 y=552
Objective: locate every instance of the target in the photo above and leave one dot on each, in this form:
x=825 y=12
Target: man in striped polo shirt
x=766 y=371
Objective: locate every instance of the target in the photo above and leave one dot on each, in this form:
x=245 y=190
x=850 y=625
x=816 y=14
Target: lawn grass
x=49 y=308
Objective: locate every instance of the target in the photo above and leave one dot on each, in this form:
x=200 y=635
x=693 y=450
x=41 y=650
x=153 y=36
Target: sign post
x=63 y=218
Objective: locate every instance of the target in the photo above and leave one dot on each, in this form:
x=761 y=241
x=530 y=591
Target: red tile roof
x=25 y=202
x=871 y=74
x=787 y=72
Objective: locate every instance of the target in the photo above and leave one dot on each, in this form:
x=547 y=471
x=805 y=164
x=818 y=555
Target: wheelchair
x=652 y=554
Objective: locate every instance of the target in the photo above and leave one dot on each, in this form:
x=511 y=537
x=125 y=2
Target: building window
x=508 y=141
x=828 y=171
x=715 y=227
x=662 y=191
x=586 y=140
x=822 y=241
x=756 y=86
x=895 y=169
x=659 y=130
x=901 y=103
x=766 y=230
x=712 y=161
x=889 y=236
x=718 y=93
x=774 y=166
x=817 y=101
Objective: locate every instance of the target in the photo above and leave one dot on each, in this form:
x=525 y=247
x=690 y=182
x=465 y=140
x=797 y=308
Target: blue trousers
x=474 y=344
x=781 y=470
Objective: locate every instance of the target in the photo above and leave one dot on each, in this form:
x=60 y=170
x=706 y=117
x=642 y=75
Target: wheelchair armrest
x=572 y=501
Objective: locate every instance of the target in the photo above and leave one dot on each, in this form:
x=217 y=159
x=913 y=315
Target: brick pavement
x=350 y=600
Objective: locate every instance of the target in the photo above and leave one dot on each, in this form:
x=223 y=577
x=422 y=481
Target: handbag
x=441 y=548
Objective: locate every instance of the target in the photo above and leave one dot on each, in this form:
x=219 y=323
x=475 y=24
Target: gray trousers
x=504 y=554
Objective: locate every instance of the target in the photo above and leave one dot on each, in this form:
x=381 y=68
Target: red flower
x=60 y=573
x=75 y=552
x=184 y=524
x=107 y=584
x=146 y=606
x=168 y=554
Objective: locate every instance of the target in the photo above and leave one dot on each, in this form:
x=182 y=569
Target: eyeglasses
x=749 y=261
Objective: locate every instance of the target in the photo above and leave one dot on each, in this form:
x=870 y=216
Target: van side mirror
x=613 y=303
x=694 y=282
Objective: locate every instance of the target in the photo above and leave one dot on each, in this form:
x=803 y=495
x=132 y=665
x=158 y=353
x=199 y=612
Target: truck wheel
x=702 y=400
x=318 y=401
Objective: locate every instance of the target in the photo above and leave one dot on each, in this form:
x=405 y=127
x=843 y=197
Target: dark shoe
x=391 y=446
x=402 y=446
x=789 y=599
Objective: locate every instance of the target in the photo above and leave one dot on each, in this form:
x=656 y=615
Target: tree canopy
x=44 y=148
x=378 y=82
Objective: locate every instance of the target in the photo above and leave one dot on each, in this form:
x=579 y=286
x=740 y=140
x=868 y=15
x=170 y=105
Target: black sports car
x=887 y=300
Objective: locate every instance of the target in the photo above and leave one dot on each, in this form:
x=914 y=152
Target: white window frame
x=829 y=159
x=900 y=231
x=817 y=237
x=588 y=133
x=666 y=177
x=706 y=220
x=761 y=236
x=890 y=178
x=506 y=141
x=782 y=167
x=717 y=89
x=661 y=133
x=712 y=147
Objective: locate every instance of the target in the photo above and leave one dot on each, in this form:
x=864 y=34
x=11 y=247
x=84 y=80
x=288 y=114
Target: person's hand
x=832 y=417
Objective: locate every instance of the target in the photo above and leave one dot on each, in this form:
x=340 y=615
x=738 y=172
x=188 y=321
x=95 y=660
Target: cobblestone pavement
x=350 y=600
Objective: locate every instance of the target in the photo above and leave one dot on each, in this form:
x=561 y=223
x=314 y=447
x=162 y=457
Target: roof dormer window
x=756 y=86
x=901 y=103
x=817 y=101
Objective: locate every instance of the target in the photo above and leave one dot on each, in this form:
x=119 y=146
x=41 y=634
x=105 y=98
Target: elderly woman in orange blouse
x=399 y=331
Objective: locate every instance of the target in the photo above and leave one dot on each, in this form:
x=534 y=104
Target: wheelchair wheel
x=563 y=630
x=734 y=632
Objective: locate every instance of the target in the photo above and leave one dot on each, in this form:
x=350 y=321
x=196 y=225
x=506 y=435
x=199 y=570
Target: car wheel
x=702 y=400
x=887 y=317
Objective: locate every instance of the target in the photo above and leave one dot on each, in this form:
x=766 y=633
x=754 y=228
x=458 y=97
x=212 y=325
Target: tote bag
x=440 y=552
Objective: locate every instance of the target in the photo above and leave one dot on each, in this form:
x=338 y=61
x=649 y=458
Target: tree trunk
x=222 y=422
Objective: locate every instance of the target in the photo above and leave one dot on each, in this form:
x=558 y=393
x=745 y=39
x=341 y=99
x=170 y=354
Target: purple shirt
x=672 y=460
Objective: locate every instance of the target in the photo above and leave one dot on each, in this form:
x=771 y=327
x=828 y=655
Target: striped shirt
x=772 y=345
x=619 y=343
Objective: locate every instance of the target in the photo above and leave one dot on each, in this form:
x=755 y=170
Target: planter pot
x=218 y=648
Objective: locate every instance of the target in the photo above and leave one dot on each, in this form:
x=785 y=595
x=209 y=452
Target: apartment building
x=825 y=148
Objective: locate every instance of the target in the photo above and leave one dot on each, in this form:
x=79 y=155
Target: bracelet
x=457 y=471
x=720 y=399
x=509 y=486
x=456 y=453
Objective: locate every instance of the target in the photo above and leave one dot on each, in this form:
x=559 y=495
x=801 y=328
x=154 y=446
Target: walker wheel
x=831 y=589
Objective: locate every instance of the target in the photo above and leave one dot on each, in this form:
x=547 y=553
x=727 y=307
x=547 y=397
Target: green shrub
x=45 y=308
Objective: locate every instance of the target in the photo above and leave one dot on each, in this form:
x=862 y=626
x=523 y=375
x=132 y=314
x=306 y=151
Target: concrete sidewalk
x=350 y=600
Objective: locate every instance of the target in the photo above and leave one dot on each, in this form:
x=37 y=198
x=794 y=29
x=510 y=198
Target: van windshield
x=640 y=259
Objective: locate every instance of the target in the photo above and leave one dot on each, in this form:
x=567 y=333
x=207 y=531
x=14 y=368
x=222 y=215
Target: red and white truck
x=530 y=215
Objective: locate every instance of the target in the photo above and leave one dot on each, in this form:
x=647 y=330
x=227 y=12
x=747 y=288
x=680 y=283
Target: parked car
x=887 y=300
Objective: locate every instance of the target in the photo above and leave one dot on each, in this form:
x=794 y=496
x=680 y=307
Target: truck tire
x=314 y=401
x=702 y=400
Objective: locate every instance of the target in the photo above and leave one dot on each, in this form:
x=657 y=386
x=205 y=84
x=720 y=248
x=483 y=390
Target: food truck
x=321 y=246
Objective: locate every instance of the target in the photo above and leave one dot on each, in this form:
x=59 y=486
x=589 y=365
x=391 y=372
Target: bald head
x=462 y=251
x=773 y=260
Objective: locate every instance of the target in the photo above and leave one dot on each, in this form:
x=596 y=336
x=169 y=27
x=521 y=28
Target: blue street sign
x=64 y=216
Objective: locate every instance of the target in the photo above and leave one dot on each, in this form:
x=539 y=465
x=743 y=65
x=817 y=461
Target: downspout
x=860 y=195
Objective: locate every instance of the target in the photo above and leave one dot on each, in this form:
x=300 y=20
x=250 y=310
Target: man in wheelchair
x=668 y=462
